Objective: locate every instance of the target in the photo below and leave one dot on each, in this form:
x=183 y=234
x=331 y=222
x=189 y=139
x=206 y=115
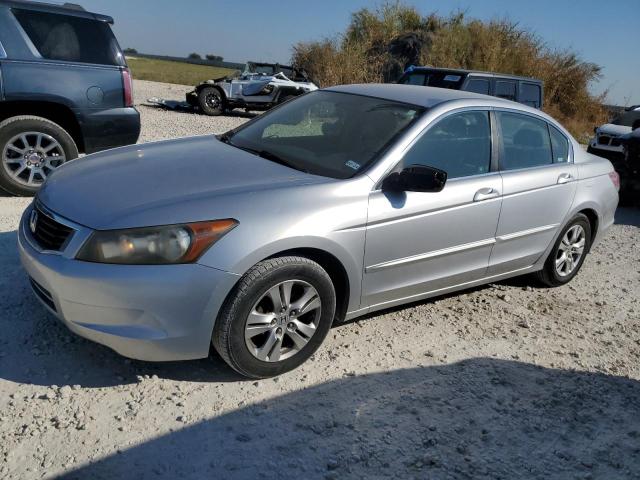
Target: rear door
x=539 y=186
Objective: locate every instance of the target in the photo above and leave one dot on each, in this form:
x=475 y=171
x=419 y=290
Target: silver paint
x=393 y=248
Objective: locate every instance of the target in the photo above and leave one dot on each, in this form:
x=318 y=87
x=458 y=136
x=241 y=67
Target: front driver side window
x=459 y=144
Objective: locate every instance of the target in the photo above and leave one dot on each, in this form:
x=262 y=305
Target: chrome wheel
x=283 y=320
x=30 y=157
x=570 y=250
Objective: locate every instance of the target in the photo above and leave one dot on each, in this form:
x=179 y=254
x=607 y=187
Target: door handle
x=485 y=194
x=565 y=178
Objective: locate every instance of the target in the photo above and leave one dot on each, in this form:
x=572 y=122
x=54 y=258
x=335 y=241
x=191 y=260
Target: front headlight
x=168 y=244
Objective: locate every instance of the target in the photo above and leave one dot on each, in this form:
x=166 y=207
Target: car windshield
x=325 y=133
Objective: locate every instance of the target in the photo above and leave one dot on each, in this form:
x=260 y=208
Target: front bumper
x=154 y=313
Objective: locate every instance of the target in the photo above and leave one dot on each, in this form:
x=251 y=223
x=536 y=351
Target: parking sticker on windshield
x=352 y=164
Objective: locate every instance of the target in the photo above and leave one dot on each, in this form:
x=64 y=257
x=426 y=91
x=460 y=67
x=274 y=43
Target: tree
x=130 y=51
x=195 y=56
x=214 y=58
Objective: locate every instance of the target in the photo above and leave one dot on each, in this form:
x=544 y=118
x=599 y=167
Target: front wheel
x=276 y=317
x=568 y=253
x=210 y=101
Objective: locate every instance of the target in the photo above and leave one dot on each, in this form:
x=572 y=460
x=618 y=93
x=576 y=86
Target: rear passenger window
x=530 y=94
x=70 y=38
x=459 y=144
x=478 y=86
x=506 y=90
x=525 y=140
x=559 y=145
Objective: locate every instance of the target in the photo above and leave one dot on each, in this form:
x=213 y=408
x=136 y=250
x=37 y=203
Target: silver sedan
x=339 y=203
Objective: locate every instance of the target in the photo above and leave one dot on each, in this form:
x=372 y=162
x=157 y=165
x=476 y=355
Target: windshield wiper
x=277 y=159
x=263 y=154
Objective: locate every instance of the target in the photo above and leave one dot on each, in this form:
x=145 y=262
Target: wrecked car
x=608 y=139
x=260 y=87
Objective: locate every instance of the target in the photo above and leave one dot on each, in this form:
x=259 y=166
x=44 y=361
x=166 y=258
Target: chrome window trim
x=425 y=128
x=554 y=124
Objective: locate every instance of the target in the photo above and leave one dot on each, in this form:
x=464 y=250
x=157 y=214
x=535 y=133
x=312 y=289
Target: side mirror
x=416 y=178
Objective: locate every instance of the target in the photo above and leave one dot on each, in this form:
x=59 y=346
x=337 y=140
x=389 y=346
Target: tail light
x=615 y=179
x=128 y=87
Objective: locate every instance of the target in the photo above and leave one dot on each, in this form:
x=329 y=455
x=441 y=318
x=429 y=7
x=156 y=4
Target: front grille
x=43 y=294
x=48 y=233
x=616 y=142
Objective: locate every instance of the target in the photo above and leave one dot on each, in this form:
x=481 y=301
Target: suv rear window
x=70 y=38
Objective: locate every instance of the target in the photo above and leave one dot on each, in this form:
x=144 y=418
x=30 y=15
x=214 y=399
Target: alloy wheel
x=283 y=320
x=570 y=250
x=30 y=157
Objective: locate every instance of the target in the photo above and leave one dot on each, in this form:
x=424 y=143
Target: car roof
x=427 y=97
x=462 y=71
x=64 y=9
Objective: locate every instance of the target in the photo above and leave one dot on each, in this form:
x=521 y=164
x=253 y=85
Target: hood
x=166 y=182
x=611 y=129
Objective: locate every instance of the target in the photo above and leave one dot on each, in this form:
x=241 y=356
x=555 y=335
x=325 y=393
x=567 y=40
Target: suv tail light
x=615 y=179
x=128 y=87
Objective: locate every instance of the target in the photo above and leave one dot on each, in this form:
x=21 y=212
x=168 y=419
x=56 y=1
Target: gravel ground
x=504 y=381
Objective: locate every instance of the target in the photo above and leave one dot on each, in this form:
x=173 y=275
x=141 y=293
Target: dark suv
x=519 y=89
x=65 y=89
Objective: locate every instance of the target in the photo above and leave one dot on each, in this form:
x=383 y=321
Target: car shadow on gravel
x=480 y=418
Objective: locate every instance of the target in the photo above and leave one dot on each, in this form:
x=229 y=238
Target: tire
x=549 y=275
x=251 y=294
x=211 y=101
x=50 y=134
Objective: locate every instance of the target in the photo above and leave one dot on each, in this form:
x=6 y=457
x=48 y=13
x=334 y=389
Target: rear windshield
x=70 y=38
x=434 y=79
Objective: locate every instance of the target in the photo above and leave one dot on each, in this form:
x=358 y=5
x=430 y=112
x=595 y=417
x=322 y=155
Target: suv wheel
x=276 y=317
x=568 y=253
x=31 y=148
x=211 y=101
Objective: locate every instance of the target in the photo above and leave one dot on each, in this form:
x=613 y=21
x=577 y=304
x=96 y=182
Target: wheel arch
x=594 y=221
x=333 y=266
x=202 y=86
x=55 y=112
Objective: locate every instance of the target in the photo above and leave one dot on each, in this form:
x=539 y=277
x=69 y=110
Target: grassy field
x=173 y=72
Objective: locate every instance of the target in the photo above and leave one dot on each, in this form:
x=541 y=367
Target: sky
x=606 y=33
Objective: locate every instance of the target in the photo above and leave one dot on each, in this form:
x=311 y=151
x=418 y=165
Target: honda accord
x=341 y=202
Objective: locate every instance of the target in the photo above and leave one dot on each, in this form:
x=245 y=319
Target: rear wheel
x=211 y=101
x=568 y=253
x=276 y=317
x=31 y=148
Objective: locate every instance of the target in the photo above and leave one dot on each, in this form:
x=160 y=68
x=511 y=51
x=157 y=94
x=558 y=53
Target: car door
x=538 y=177
x=422 y=242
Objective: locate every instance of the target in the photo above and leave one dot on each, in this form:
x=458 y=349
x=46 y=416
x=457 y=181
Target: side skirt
x=443 y=291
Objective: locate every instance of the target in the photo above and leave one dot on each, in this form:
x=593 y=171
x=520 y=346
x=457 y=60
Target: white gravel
x=505 y=381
